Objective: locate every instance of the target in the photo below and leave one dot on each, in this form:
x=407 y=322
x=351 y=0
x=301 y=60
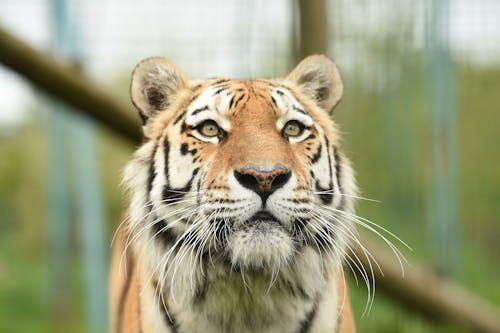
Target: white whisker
x=333 y=192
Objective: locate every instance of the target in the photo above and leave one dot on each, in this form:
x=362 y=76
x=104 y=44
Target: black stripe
x=151 y=171
x=274 y=101
x=192 y=99
x=338 y=175
x=196 y=111
x=166 y=234
x=220 y=229
x=218 y=91
x=179 y=117
x=169 y=194
x=298 y=226
x=198 y=192
x=184 y=149
x=219 y=81
x=338 y=170
x=166 y=149
x=299 y=110
x=174 y=194
x=189 y=238
x=317 y=155
x=183 y=127
x=143 y=117
x=323 y=239
x=239 y=100
x=168 y=316
x=200 y=292
x=327 y=198
x=231 y=102
x=305 y=325
x=261 y=95
x=329 y=163
x=309 y=137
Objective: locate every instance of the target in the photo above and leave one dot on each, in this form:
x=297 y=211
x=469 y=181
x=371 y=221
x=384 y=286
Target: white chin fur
x=260 y=245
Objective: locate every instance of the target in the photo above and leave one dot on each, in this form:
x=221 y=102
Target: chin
x=261 y=245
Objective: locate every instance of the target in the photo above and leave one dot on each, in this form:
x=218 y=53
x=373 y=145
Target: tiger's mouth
x=263 y=216
x=261 y=243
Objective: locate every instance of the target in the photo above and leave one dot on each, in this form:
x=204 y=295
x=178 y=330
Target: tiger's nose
x=263 y=180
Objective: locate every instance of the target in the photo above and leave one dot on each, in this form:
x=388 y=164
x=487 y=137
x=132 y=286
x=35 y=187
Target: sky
x=215 y=37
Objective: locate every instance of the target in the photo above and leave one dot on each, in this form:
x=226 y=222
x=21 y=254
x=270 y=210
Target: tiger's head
x=246 y=171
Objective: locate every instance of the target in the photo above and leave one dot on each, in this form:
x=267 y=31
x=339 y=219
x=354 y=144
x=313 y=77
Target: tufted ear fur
x=155 y=82
x=319 y=78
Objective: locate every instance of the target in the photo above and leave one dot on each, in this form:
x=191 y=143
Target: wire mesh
x=419 y=92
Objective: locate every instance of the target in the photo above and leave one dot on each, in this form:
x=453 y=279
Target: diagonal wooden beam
x=64 y=81
x=423 y=291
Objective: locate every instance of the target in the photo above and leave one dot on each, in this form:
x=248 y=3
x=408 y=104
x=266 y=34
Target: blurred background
x=420 y=121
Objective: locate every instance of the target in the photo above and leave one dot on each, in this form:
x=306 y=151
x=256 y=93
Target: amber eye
x=209 y=128
x=293 y=129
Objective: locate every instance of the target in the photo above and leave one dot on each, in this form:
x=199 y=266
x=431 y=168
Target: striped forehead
x=212 y=103
x=216 y=101
x=214 y=98
x=289 y=107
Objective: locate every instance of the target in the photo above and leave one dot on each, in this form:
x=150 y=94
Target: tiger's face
x=247 y=171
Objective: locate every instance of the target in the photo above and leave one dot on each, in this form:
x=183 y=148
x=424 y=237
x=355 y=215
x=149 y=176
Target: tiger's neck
x=300 y=298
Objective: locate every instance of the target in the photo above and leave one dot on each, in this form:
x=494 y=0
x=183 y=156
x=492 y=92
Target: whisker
x=130 y=239
x=368 y=255
x=161 y=262
x=333 y=192
x=375 y=225
x=336 y=229
x=359 y=220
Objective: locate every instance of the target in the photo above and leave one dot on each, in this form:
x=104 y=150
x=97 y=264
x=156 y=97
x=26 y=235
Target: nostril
x=280 y=180
x=247 y=180
x=262 y=182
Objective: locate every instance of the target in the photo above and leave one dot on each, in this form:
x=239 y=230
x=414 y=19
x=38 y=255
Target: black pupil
x=294 y=128
x=210 y=127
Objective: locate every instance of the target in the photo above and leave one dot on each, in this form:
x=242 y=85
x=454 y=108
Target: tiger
x=240 y=198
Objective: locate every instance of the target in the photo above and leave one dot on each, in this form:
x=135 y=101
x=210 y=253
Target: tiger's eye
x=209 y=128
x=293 y=128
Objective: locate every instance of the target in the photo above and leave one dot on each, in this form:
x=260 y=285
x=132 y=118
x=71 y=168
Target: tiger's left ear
x=155 y=83
x=319 y=78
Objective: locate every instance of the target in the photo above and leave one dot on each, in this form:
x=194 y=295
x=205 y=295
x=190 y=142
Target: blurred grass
x=392 y=155
x=386 y=135
x=26 y=304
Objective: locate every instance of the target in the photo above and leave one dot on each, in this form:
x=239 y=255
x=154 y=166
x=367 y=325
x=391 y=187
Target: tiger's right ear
x=155 y=82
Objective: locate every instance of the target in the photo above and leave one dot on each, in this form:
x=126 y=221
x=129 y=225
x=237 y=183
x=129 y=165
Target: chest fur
x=232 y=301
